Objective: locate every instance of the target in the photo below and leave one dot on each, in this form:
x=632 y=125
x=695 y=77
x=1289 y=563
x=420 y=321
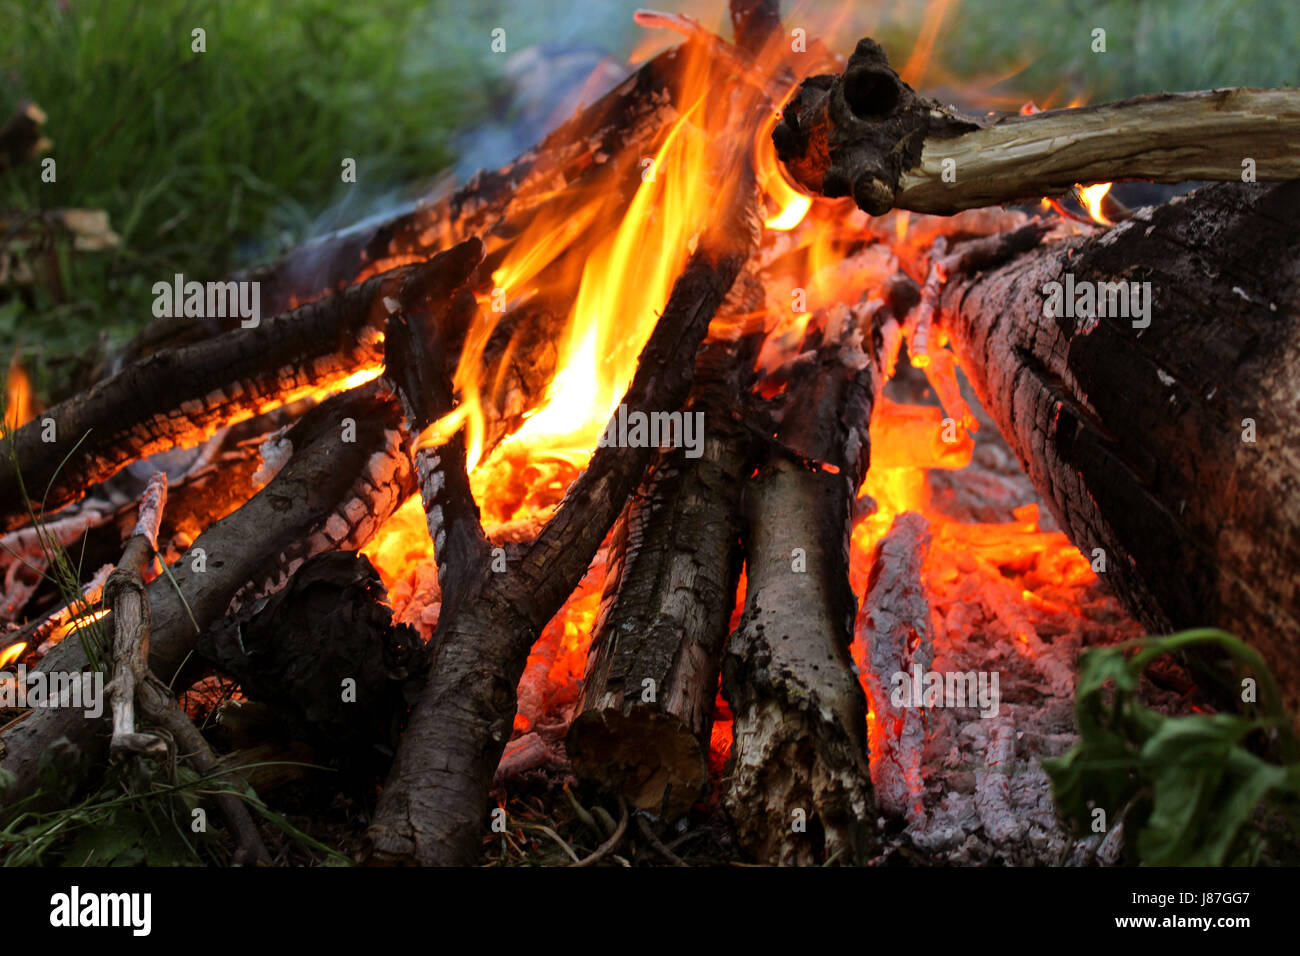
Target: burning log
x=334 y=489
x=183 y=395
x=431 y=810
x=296 y=650
x=1146 y=379
x=652 y=670
x=623 y=122
x=895 y=625
x=800 y=784
x=868 y=134
x=348 y=472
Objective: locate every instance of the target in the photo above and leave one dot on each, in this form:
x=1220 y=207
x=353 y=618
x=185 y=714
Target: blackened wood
x=297 y=650
x=332 y=494
x=646 y=707
x=433 y=806
x=1137 y=438
x=180 y=396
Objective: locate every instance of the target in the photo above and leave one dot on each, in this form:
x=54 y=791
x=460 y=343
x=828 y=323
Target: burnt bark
x=646 y=708
x=296 y=649
x=1165 y=445
x=181 y=396
x=336 y=489
x=432 y=808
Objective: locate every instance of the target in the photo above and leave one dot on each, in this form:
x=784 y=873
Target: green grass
x=1151 y=45
x=206 y=161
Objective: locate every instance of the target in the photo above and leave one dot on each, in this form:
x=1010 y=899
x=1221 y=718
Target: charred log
x=324 y=653
x=894 y=625
x=183 y=395
x=1158 y=422
x=652 y=671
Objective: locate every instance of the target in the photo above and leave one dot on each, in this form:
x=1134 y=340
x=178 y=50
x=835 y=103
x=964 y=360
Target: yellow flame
x=76 y=624
x=12 y=653
x=1091 y=197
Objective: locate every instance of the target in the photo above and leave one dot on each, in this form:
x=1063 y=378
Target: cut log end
x=651 y=757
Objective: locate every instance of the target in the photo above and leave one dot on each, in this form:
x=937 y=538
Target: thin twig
x=612 y=843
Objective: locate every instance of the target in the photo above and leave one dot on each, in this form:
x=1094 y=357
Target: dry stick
x=1162 y=434
x=348 y=473
x=125 y=594
x=799 y=732
x=432 y=808
x=610 y=845
x=868 y=134
x=162 y=708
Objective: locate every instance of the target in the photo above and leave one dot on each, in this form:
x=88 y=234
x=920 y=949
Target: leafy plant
x=1188 y=786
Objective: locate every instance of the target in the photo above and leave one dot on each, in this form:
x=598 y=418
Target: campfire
x=750 y=461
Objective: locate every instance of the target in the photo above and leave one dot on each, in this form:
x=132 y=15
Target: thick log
x=295 y=649
x=1163 y=441
x=868 y=134
x=432 y=809
x=799 y=780
x=652 y=670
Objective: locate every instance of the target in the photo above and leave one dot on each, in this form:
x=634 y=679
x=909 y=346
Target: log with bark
x=799 y=780
x=867 y=134
x=1161 y=428
x=179 y=396
x=643 y=721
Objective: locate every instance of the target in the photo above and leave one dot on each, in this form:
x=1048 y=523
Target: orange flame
x=11 y=653
x=1092 y=198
